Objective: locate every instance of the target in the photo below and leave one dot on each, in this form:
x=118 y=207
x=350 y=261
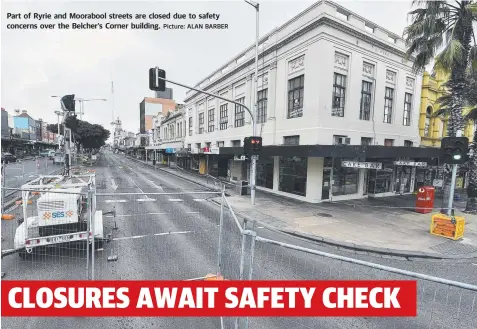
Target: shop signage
x=206 y=150
x=170 y=150
x=212 y=150
x=410 y=163
x=194 y=150
x=239 y=158
x=365 y=165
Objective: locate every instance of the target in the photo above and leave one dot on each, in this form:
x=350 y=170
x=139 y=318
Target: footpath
x=387 y=225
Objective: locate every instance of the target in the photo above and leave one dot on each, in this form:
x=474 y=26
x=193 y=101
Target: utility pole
x=452 y=187
x=253 y=169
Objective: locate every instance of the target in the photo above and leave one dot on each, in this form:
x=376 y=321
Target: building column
x=276 y=172
x=314 y=179
x=272 y=95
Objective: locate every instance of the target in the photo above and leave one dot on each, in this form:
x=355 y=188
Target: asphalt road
x=19 y=173
x=175 y=236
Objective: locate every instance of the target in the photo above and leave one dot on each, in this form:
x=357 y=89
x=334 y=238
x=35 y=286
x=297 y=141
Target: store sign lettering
x=363 y=165
x=410 y=163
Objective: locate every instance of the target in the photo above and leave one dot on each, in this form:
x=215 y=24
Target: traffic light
x=154 y=82
x=252 y=145
x=68 y=102
x=454 y=150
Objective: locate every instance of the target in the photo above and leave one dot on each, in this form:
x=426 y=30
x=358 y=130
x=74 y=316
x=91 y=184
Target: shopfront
x=265 y=172
x=293 y=175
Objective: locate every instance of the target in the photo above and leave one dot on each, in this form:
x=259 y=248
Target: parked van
x=58 y=158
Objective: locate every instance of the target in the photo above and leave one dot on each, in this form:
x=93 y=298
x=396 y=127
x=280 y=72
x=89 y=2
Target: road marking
x=260 y=227
x=151 y=235
x=192 y=212
x=137 y=215
x=144 y=200
x=199 y=200
x=113 y=183
x=156 y=186
x=112 y=201
x=175 y=200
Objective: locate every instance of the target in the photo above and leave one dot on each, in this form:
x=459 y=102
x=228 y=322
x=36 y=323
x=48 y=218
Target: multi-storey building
x=338 y=110
x=433 y=128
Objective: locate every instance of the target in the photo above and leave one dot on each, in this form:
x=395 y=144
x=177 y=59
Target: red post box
x=425 y=199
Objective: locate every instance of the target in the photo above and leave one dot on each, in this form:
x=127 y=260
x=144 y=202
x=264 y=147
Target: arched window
x=427 y=130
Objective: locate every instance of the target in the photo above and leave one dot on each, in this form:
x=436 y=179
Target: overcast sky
x=37 y=63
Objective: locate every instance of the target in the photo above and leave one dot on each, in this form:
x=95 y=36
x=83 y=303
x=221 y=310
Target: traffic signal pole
x=452 y=187
x=253 y=170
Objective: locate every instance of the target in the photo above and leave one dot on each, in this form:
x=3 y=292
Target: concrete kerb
x=354 y=247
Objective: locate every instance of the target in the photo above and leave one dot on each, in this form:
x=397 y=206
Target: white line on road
x=113 y=201
x=175 y=200
x=192 y=212
x=155 y=186
x=113 y=183
x=199 y=200
x=145 y=200
x=137 y=215
x=151 y=235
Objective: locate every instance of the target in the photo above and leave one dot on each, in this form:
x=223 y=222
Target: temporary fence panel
x=46 y=237
x=441 y=303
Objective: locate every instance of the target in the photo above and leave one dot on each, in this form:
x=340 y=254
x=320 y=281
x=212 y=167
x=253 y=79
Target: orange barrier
x=19 y=202
x=8 y=216
x=213 y=277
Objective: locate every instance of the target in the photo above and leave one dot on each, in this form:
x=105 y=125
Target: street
x=174 y=236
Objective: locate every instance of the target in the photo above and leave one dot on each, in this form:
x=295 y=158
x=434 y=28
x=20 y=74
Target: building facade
x=5 y=127
x=327 y=78
x=148 y=109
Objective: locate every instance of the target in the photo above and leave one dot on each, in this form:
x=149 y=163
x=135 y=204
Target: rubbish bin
x=425 y=199
x=243 y=187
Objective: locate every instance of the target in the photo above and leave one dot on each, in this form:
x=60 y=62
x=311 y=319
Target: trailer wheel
x=24 y=255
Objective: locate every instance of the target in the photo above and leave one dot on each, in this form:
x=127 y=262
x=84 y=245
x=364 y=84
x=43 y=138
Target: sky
x=38 y=64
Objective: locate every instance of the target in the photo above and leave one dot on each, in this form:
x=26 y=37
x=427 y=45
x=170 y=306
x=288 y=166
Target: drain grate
x=323 y=214
x=454 y=248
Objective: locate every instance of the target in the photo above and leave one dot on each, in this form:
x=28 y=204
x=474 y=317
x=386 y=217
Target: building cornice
x=321 y=21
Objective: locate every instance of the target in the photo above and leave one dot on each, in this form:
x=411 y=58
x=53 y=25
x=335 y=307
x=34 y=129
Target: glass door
x=325 y=191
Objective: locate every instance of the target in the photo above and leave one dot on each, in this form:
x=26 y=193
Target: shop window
x=220 y=144
x=265 y=172
x=408 y=143
x=292 y=175
x=345 y=180
x=380 y=181
x=236 y=143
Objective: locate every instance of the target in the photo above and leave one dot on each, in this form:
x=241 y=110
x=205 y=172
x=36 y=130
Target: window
x=265 y=172
x=291 y=140
x=292 y=175
x=189 y=146
x=220 y=144
x=295 y=96
x=197 y=145
x=236 y=143
x=211 y=120
x=224 y=116
x=178 y=130
x=345 y=180
x=427 y=124
x=262 y=99
x=207 y=144
x=201 y=123
x=366 y=140
x=339 y=140
x=408 y=143
x=339 y=89
x=240 y=113
x=190 y=126
x=388 y=142
x=388 y=105
x=365 y=109
x=406 y=121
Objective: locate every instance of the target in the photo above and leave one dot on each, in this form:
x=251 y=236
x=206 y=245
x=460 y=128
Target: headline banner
x=208 y=298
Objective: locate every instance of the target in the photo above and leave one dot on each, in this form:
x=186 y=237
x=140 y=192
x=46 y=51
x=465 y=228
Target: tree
x=442 y=30
x=90 y=136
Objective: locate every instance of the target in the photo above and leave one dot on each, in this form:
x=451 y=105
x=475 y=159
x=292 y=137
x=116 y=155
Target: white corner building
x=328 y=80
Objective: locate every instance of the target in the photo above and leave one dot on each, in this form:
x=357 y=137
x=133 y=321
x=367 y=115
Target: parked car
x=51 y=154
x=8 y=157
x=58 y=158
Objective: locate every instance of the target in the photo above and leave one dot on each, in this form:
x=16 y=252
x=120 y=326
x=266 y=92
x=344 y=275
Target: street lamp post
x=253 y=168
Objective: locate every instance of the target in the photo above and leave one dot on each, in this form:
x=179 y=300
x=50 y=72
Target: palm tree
x=443 y=31
x=469 y=113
